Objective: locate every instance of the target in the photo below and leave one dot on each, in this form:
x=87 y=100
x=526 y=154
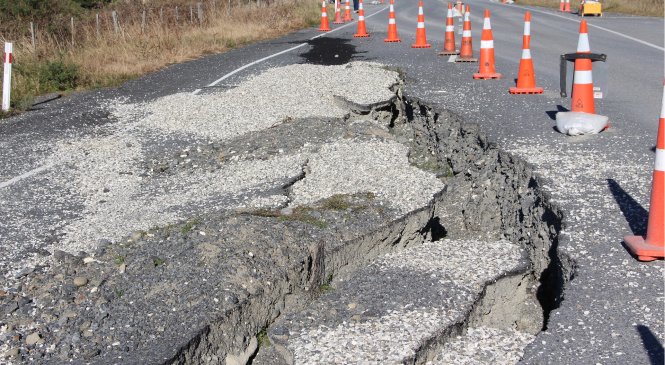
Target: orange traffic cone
x=466 y=51
x=487 y=70
x=561 y=5
x=567 y=8
x=449 y=42
x=324 y=19
x=361 y=22
x=526 y=81
x=392 y=27
x=347 y=13
x=421 y=39
x=653 y=246
x=338 y=14
x=582 y=94
x=459 y=6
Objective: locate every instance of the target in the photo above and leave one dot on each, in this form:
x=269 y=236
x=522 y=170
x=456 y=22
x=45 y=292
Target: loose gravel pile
x=384 y=313
x=378 y=167
x=484 y=345
x=291 y=92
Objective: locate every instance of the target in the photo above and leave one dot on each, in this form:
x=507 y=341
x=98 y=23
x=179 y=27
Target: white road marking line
x=594 y=26
x=276 y=54
x=24 y=176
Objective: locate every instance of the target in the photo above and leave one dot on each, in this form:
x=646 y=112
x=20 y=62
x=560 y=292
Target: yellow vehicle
x=590 y=7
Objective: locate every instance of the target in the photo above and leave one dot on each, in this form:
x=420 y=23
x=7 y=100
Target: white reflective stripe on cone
x=421 y=25
x=582 y=77
x=391 y=21
x=486 y=25
x=466 y=33
x=420 y=11
x=486 y=44
x=361 y=18
x=450 y=13
x=583 y=43
x=526 y=54
x=392 y=10
x=450 y=28
x=660 y=160
x=527 y=28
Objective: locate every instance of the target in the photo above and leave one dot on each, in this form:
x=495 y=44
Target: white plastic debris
x=576 y=123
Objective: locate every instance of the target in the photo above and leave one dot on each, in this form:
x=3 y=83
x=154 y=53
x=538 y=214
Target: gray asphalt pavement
x=612 y=312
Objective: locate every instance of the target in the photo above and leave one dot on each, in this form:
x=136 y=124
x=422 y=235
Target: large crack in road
x=200 y=289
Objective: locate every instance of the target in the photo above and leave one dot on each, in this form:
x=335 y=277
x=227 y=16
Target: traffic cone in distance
x=582 y=94
x=487 y=70
x=347 y=13
x=466 y=50
x=392 y=27
x=421 y=38
x=652 y=246
x=561 y=5
x=567 y=8
x=459 y=6
x=449 y=42
x=324 y=19
x=338 y=13
x=526 y=81
x=362 y=32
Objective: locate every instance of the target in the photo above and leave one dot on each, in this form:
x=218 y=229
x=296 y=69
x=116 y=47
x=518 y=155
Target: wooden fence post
x=214 y=9
x=32 y=35
x=191 y=14
x=176 y=14
x=161 y=15
x=114 y=14
x=97 y=22
x=143 y=23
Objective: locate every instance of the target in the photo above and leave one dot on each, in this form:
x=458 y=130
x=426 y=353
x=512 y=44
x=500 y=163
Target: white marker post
x=7 y=78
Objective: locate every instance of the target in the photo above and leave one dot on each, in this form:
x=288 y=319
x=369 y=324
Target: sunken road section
x=213 y=267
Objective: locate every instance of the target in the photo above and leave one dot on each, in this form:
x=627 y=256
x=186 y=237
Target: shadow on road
x=635 y=215
x=552 y=113
x=651 y=345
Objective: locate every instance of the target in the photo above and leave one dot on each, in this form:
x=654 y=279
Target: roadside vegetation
x=92 y=57
x=634 y=7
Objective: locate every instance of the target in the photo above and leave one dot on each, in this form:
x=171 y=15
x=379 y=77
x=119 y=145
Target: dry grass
x=110 y=59
x=633 y=7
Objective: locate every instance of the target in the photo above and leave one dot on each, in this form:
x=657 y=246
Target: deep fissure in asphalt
x=515 y=209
